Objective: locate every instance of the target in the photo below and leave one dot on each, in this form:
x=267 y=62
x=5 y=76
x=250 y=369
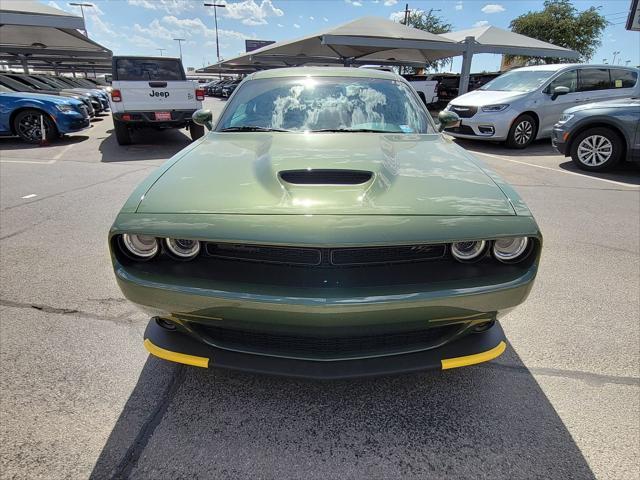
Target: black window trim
x=114 y=65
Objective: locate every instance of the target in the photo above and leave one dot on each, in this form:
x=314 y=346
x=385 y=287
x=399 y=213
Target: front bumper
x=559 y=137
x=484 y=126
x=181 y=348
x=69 y=123
x=178 y=118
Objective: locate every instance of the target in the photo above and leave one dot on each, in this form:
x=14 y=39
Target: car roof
x=325 y=72
x=554 y=67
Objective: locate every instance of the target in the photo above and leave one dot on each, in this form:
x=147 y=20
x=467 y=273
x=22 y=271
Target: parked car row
x=537 y=102
x=42 y=107
x=222 y=88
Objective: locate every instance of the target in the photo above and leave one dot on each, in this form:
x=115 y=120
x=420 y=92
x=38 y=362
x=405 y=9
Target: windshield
x=325 y=104
x=518 y=81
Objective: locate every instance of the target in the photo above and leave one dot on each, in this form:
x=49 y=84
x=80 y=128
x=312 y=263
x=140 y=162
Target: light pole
x=613 y=62
x=180 y=40
x=161 y=50
x=82 y=5
x=215 y=16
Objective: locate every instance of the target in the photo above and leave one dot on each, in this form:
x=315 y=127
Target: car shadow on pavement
x=538 y=148
x=148 y=144
x=15 y=143
x=476 y=422
x=625 y=172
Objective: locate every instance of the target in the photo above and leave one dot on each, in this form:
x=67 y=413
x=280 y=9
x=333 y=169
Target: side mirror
x=448 y=119
x=203 y=117
x=559 y=91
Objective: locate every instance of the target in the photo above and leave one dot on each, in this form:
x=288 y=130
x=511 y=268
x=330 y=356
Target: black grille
x=463 y=111
x=326 y=177
x=320 y=346
x=462 y=129
x=371 y=255
x=325 y=256
x=265 y=253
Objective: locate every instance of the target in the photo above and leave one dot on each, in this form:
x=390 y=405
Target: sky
x=141 y=27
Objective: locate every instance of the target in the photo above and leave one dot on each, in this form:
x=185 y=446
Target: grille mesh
x=316 y=346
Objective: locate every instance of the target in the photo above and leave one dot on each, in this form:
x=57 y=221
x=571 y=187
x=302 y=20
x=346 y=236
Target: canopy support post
x=25 y=64
x=467 y=58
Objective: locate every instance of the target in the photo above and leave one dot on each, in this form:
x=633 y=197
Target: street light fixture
x=161 y=50
x=215 y=16
x=180 y=40
x=82 y=5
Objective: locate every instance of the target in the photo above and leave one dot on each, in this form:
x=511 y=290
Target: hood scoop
x=325 y=177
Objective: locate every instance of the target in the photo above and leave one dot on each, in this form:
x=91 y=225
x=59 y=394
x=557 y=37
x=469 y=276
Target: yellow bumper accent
x=175 y=356
x=473 y=359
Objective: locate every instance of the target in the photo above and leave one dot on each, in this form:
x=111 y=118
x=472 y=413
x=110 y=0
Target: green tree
x=428 y=22
x=562 y=24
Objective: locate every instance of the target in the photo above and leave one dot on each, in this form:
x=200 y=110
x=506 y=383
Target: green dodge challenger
x=325 y=228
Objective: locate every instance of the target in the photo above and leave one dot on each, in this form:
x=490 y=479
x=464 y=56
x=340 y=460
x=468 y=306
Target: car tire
x=26 y=124
x=123 y=134
x=196 y=131
x=597 y=149
x=522 y=132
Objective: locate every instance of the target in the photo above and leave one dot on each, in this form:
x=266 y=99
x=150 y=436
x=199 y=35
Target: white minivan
x=523 y=104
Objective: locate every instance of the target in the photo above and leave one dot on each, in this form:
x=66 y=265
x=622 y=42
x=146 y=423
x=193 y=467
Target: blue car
x=24 y=114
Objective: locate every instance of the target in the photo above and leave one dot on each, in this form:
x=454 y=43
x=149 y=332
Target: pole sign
x=633 y=21
x=251 y=45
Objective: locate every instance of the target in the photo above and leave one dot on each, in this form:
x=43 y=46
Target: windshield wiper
x=253 y=128
x=356 y=130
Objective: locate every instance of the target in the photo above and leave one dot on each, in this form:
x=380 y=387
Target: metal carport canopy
x=362 y=41
x=35 y=34
x=491 y=39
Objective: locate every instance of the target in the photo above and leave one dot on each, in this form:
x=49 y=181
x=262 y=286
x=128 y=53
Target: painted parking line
x=588 y=177
x=31 y=195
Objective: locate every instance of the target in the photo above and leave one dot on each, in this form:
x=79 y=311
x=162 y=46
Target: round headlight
x=468 y=251
x=141 y=246
x=510 y=249
x=182 y=248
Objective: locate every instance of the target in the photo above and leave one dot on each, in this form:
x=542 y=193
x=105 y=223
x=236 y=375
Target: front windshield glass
x=325 y=104
x=518 y=81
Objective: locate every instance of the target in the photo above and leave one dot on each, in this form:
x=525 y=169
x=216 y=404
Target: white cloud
x=493 y=8
x=354 y=3
x=390 y=3
x=397 y=16
x=156 y=30
x=458 y=6
x=249 y=12
x=481 y=23
x=142 y=42
x=325 y=19
x=169 y=6
x=295 y=25
x=311 y=18
x=280 y=25
x=190 y=26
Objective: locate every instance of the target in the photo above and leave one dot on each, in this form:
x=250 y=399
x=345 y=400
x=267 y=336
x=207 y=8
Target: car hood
x=621 y=103
x=47 y=97
x=479 y=98
x=240 y=173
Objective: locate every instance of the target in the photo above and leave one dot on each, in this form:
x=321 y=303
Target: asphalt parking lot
x=80 y=397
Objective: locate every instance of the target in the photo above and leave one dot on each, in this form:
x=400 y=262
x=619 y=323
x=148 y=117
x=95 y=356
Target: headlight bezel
x=565 y=117
x=519 y=253
x=495 y=108
x=174 y=250
x=65 y=107
x=127 y=242
x=478 y=252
